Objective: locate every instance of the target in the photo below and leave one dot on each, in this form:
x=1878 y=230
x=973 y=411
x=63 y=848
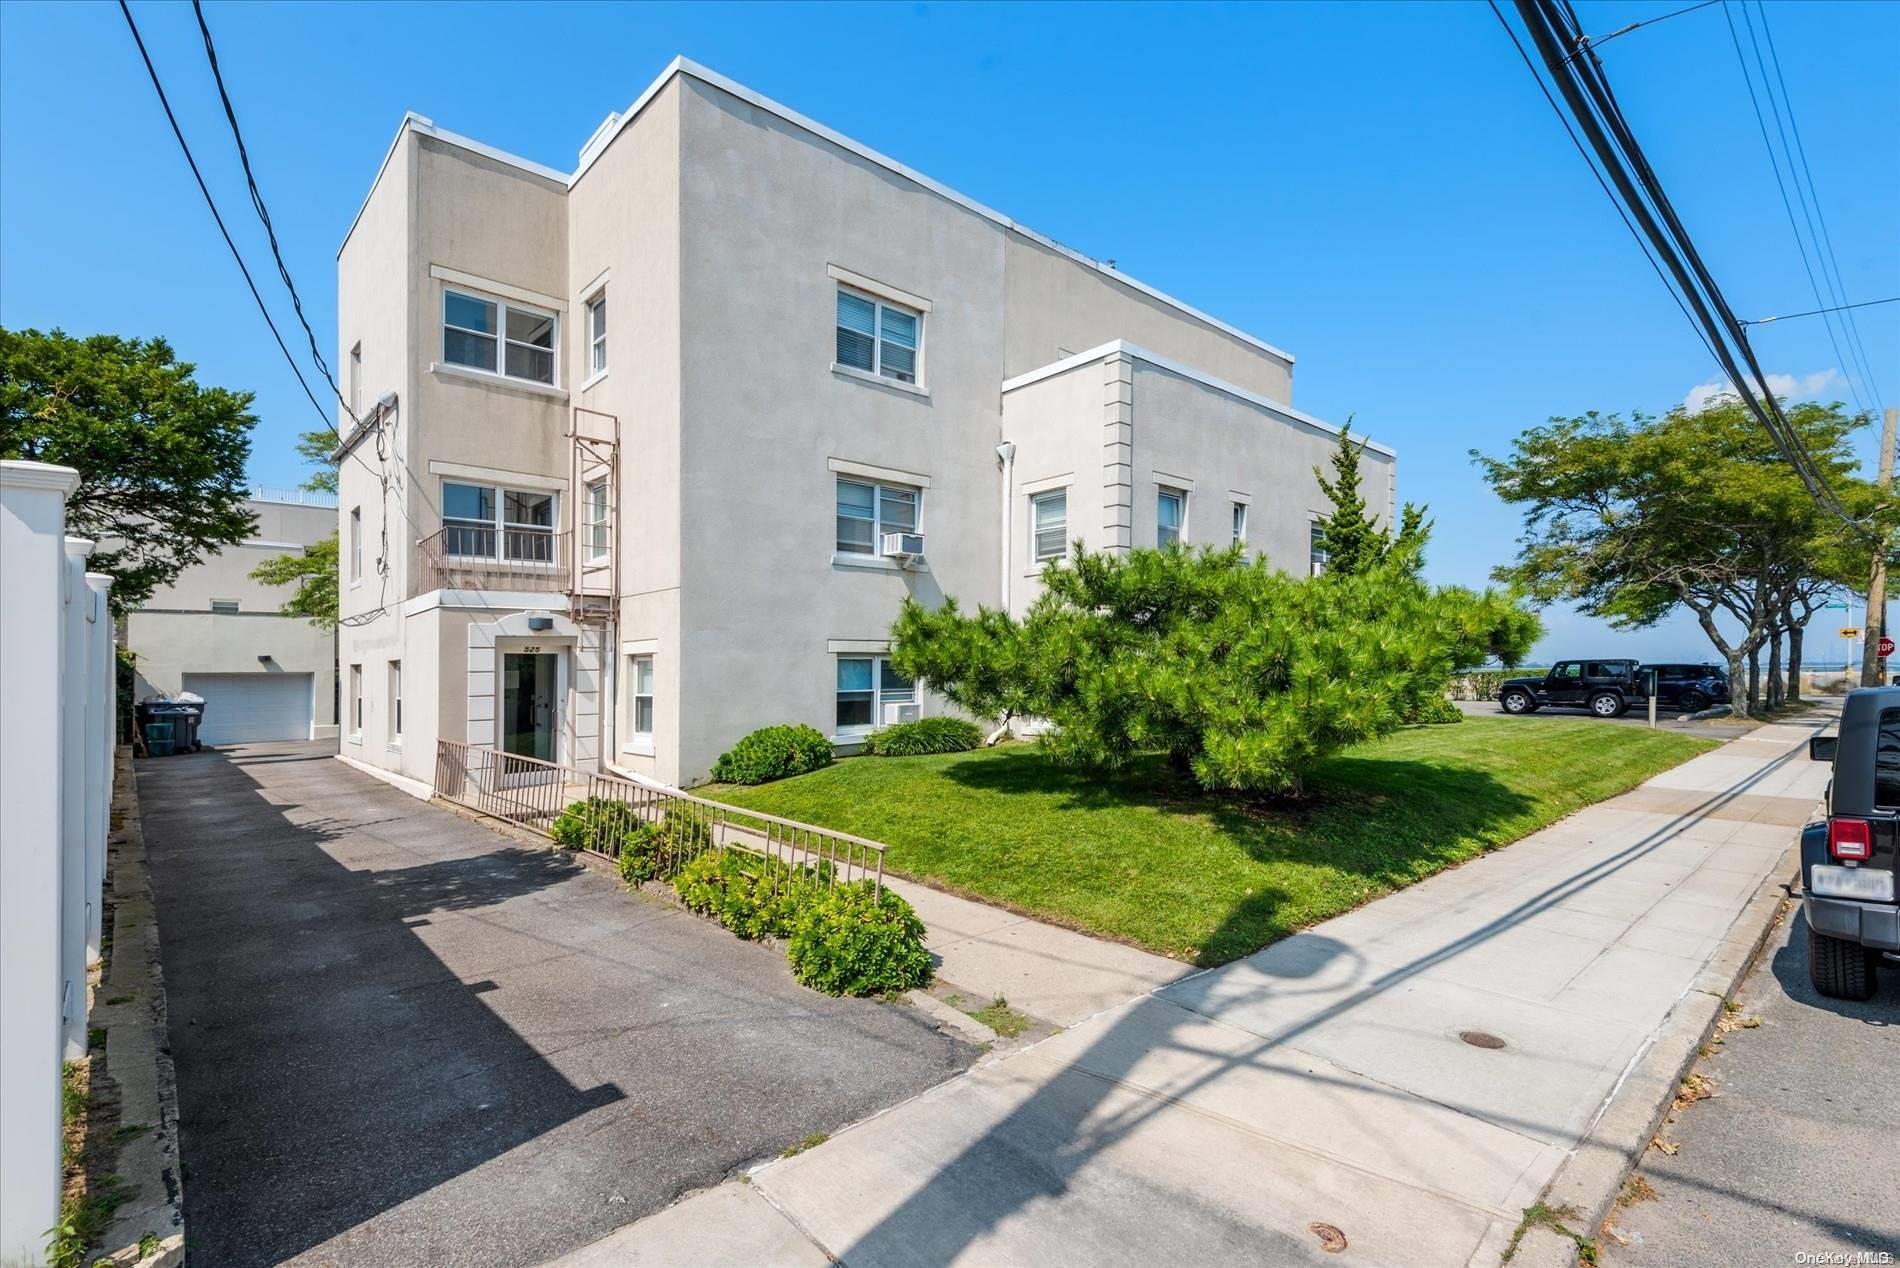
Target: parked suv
x=1848 y=863
x=1689 y=688
x=1604 y=687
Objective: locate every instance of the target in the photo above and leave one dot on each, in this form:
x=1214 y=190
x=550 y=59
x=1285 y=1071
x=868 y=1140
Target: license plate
x=1868 y=884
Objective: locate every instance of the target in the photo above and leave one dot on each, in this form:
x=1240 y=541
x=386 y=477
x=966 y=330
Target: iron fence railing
x=531 y=793
x=469 y=557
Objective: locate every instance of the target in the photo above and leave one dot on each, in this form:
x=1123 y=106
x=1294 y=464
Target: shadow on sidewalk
x=1039 y=1147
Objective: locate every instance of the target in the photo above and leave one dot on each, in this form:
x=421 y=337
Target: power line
x=237 y=256
x=263 y=213
x=1625 y=30
x=1827 y=239
x=1590 y=163
x=1822 y=303
x=1579 y=78
x=1815 y=312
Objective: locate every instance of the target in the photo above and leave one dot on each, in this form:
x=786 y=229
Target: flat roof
x=1171 y=366
x=597 y=145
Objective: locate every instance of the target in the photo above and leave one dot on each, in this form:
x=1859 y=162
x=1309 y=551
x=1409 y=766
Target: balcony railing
x=470 y=557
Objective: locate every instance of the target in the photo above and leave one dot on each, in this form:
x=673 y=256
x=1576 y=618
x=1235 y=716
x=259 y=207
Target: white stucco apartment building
x=651 y=450
x=216 y=632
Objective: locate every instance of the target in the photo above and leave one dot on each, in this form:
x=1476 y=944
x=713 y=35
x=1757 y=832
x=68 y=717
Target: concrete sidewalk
x=1406 y=1078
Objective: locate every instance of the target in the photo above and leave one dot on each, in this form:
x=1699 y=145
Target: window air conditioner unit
x=896 y=713
x=903 y=547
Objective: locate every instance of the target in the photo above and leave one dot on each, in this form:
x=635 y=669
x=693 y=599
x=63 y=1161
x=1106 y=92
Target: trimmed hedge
x=852 y=940
x=773 y=752
x=841 y=939
x=926 y=735
x=642 y=853
x=1435 y=711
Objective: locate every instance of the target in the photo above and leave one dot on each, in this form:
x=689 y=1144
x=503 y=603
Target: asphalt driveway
x=401 y=1038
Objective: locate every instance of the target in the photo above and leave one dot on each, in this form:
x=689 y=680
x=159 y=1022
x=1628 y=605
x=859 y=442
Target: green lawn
x=1146 y=857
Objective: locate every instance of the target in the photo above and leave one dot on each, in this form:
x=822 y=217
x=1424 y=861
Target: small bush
x=702 y=882
x=852 y=940
x=594 y=823
x=926 y=735
x=753 y=896
x=1434 y=711
x=773 y=752
x=641 y=854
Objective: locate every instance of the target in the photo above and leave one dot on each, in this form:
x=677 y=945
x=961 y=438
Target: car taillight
x=1850 y=839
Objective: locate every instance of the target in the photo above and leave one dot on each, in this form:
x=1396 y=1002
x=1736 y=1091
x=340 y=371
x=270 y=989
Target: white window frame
x=1036 y=552
x=1240 y=513
x=1162 y=493
x=635 y=732
x=500 y=525
x=225 y=607
x=878 y=697
x=356 y=704
x=597 y=335
x=500 y=336
x=878 y=526
x=877 y=372
x=1316 y=554
x=597 y=520
x=395 y=703
x=356 y=545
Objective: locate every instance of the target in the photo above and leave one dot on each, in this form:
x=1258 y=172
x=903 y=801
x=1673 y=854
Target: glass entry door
x=528 y=704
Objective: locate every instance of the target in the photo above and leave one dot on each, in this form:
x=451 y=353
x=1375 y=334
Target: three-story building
x=650 y=452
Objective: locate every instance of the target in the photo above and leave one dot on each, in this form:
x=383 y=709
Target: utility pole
x=1873 y=666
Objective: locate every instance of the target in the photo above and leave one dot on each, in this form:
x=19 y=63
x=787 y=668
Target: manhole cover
x=1331 y=1240
x=1481 y=1039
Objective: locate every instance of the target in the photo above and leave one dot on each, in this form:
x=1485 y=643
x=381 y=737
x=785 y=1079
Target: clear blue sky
x=1378 y=188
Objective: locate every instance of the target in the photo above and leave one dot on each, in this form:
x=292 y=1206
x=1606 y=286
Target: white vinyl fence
x=57 y=697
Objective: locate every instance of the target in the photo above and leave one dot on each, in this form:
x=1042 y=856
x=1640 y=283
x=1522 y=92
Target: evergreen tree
x=1351 y=536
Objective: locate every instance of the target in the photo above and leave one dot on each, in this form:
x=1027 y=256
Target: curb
x=1586 y=1187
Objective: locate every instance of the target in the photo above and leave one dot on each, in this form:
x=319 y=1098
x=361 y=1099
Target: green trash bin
x=158 y=739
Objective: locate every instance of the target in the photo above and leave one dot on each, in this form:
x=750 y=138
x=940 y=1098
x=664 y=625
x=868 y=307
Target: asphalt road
x=1708 y=728
x=1795 y=1152
x=403 y=1039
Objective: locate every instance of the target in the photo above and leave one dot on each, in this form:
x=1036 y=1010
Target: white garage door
x=244 y=707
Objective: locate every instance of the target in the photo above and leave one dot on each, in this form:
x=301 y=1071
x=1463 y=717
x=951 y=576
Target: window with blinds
x=876 y=337
x=1049 y=524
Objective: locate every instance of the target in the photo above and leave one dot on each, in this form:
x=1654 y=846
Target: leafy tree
x=314 y=573
x=316 y=448
x=1632 y=518
x=160 y=457
x=1243 y=675
x=1351 y=535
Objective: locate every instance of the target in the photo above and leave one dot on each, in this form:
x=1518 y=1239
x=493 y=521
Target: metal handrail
x=531 y=793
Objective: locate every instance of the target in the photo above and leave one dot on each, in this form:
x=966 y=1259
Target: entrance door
x=528 y=685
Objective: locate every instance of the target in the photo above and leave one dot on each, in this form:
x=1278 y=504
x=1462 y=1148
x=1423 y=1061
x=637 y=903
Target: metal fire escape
x=594 y=463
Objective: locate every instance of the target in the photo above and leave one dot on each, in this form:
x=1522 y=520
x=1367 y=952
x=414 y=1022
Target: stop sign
x=1886 y=646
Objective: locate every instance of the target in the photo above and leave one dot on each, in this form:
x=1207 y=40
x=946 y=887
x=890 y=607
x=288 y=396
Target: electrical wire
x=1815 y=312
x=1579 y=77
x=1601 y=40
x=1827 y=239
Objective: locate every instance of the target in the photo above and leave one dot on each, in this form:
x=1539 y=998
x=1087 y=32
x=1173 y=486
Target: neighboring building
x=216 y=632
x=651 y=451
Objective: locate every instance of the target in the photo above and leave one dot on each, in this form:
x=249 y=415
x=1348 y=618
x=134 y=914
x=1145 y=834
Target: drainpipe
x=1006 y=456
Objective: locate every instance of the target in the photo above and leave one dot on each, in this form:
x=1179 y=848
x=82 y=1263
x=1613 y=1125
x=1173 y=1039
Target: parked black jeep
x=1604 y=687
x=1849 y=862
x=1687 y=688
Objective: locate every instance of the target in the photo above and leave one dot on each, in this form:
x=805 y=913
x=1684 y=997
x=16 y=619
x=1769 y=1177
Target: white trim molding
x=1032 y=487
x=604 y=137
x=882 y=290
x=492 y=379
x=640 y=647
x=456 y=277
x=1181 y=483
x=1121 y=347
x=498 y=475
x=843 y=466
x=858 y=647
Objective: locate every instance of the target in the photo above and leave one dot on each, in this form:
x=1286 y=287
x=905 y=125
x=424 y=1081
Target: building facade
x=216 y=632
x=646 y=455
